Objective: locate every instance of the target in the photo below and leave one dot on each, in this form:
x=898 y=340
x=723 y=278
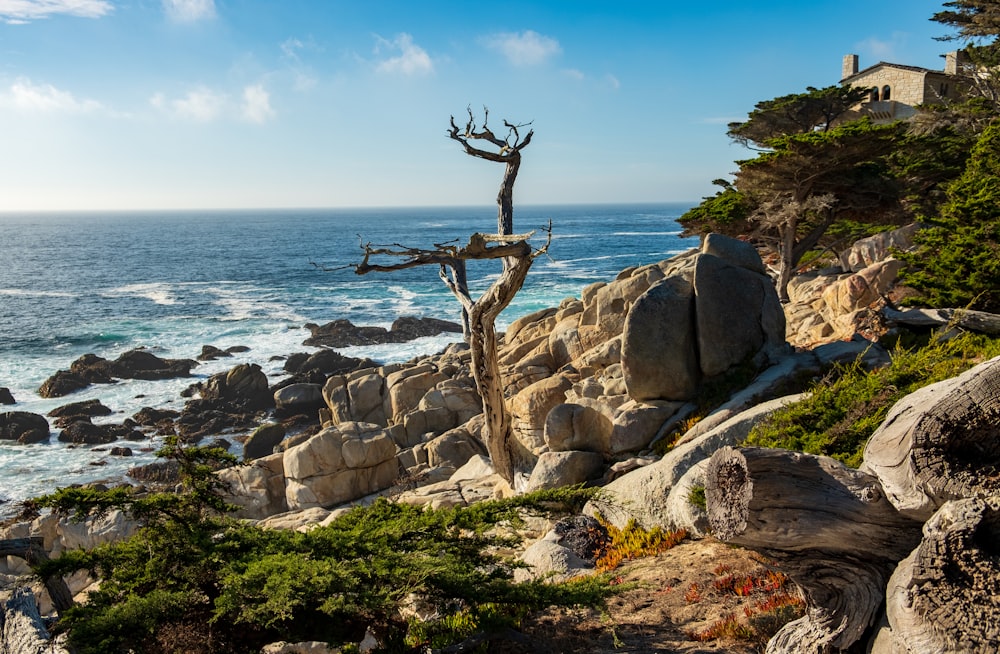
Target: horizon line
x=337 y=208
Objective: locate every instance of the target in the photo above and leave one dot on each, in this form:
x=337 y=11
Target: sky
x=211 y=104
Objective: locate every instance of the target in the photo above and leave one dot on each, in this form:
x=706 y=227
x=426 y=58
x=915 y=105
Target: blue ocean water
x=105 y=283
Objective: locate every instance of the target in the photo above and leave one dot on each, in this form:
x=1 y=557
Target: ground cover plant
x=195 y=580
x=845 y=407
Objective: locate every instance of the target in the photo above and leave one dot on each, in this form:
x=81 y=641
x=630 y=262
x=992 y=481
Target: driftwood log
x=33 y=552
x=945 y=597
x=827 y=526
x=976 y=321
x=940 y=443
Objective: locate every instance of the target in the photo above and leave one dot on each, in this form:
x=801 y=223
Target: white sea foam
x=159 y=293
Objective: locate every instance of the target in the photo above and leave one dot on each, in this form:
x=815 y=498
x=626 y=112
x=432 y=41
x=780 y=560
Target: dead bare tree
x=479 y=316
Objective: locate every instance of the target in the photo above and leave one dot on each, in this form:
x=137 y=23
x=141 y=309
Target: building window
x=886 y=93
x=944 y=90
x=873 y=94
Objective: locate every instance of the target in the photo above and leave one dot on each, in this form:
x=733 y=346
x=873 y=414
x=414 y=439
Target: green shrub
x=844 y=409
x=193 y=580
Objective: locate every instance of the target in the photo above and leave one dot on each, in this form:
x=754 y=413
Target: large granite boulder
x=530 y=407
x=558 y=469
x=299 y=399
x=258 y=489
x=23 y=427
x=715 y=310
x=339 y=464
x=659 y=342
x=134 y=364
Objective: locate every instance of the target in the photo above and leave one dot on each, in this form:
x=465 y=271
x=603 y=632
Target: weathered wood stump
x=945 y=597
x=940 y=443
x=828 y=527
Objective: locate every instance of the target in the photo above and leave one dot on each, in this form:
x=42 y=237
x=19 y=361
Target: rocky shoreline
x=594 y=386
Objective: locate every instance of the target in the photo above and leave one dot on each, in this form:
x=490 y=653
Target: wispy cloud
x=17 y=12
x=25 y=95
x=612 y=81
x=290 y=48
x=883 y=49
x=189 y=11
x=200 y=105
x=204 y=105
x=290 y=52
x=411 y=60
x=573 y=73
x=257 y=104
x=528 y=48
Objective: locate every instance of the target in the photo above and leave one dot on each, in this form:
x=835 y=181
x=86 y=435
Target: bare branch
x=478 y=248
x=325 y=269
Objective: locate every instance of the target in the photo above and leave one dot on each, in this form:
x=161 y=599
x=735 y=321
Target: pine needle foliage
x=957 y=262
x=197 y=581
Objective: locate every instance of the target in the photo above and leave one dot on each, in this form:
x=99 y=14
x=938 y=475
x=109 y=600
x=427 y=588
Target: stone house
x=896 y=89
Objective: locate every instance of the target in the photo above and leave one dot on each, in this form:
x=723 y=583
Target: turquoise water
x=101 y=283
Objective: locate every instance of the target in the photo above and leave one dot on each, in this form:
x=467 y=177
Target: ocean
x=171 y=282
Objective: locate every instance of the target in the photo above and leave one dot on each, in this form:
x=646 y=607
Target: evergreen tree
x=957 y=262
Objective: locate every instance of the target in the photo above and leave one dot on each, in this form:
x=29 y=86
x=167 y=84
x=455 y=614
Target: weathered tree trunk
x=32 y=551
x=941 y=442
x=976 y=321
x=507 y=454
x=21 y=628
x=945 y=597
x=830 y=528
x=785 y=263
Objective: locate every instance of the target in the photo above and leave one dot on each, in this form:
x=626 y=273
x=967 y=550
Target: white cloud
x=612 y=81
x=412 y=59
x=291 y=48
x=17 y=12
x=882 y=49
x=23 y=94
x=573 y=73
x=189 y=11
x=525 y=49
x=257 y=104
x=201 y=105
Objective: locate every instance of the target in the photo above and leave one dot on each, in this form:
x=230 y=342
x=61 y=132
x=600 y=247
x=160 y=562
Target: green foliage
x=957 y=262
x=190 y=570
x=796 y=113
x=845 y=408
x=726 y=212
x=697 y=498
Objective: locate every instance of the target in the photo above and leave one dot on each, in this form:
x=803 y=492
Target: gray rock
x=558 y=469
x=299 y=399
x=23 y=427
x=734 y=251
x=659 y=359
x=263 y=441
x=738 y=313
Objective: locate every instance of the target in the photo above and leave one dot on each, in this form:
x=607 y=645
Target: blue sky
x=166 y=104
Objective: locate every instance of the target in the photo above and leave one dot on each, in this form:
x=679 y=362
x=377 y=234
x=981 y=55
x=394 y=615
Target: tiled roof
x=915 y=69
